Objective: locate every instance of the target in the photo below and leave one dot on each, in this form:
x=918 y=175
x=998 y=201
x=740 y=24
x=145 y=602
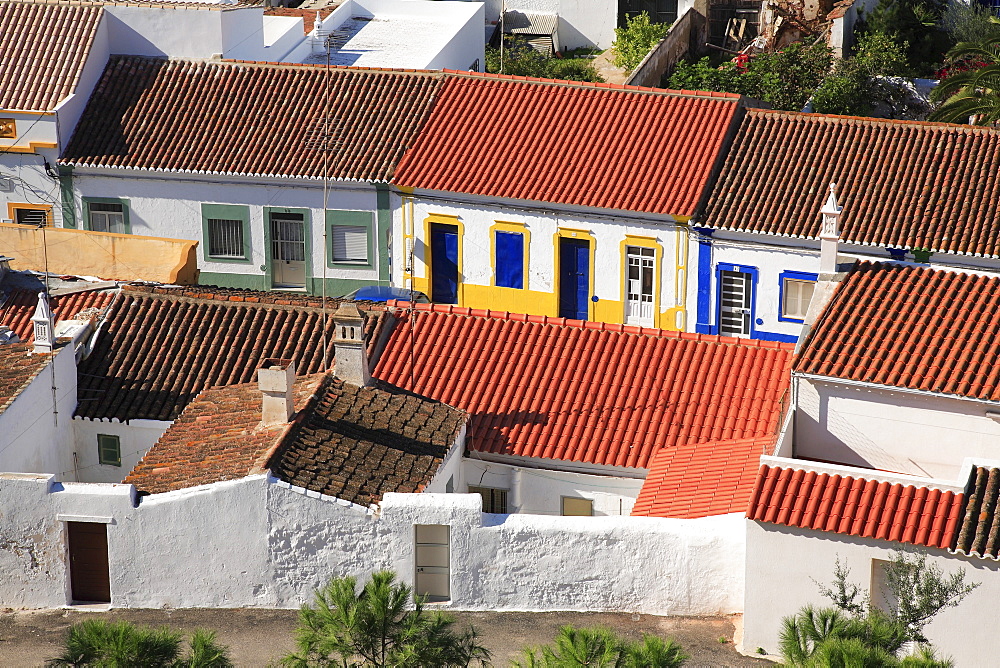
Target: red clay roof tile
x=19 y=306
x=18 y=367
x=549 y=396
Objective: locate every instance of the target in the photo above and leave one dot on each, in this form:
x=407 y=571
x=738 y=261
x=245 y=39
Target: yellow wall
x=101 y=254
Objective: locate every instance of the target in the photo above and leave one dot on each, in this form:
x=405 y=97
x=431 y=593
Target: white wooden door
x=288 y=250
x=432 y=560
x=639 y=280
x=735 y=304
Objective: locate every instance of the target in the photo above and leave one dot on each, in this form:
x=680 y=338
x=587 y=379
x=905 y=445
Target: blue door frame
x=444 y=263
x=574 y=278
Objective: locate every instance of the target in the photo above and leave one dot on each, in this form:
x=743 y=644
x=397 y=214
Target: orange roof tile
x=912 y=327
x=856 y=506
x=701 y=479
x=902 y=184
x=18 y=367
x=19 y=306
x=45 y=47
x=612 y=147
x=590 y=392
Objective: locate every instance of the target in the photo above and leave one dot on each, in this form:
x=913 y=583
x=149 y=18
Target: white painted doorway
x=288 y=250
x=639 y=279
x=432 y=562
x=735 y=292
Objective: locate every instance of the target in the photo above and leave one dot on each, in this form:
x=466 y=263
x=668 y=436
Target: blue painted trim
x=795 y=275
x=898 y=254
x=743 y=269
x=704 y=304
x=774 y=336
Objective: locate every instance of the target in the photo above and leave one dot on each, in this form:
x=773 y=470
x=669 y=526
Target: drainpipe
x=515 y=490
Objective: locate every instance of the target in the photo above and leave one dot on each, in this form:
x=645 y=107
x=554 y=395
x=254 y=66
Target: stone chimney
x=351 y=361
x=276 y=378
x=829 y=235
x=45 y=334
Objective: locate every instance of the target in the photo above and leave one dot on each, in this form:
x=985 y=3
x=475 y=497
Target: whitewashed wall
x=912 y=433
x=540 y=491
x=178 y=32
x=783 y=565
x=259 y=542
x=136 y=438
x=581 y=22
x=33 y=436
x=170 y=206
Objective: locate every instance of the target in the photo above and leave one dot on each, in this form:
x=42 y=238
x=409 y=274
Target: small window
x=107 y=217
x=225 y=238
x=494 y=499
x=796 y=297
x=349 y=243
x=575 y=506
x=509 y=260
x=109 y=450
x=33 y=217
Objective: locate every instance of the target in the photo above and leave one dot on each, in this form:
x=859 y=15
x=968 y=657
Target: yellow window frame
x=517 y=228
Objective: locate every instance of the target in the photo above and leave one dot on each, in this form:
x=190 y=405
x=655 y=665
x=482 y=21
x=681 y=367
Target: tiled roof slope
x=45 y=47
x=160 y=347
x=910 y=327
x=18 y=367
x=856 y=506
x=697 y=480
x=359 y=443
x=585 y=392
x=980 y=533
x=901 y=183
x=18 y=307
x=250 y=118
x=571 y=143
x=217 y=437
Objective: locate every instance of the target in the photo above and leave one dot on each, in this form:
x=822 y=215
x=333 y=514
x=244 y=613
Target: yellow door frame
x=642 y=242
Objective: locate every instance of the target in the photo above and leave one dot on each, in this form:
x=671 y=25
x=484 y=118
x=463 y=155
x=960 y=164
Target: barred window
x=225 y=238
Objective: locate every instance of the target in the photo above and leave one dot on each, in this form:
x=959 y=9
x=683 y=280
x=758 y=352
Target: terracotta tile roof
x=18 y=306
x=912 y=327
x=901 y=183
x=586 y=392
x=980 y=532
x=612 y=147
x=358 y=443
x=45 y=48
x=159 y=347
x=856 y=506
x=701 y=479
x=349 y=442
x=18 y=367
x=217 y=437
x=250 y=118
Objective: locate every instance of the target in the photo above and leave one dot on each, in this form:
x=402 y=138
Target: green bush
x=97 y=642
x=915 y=22
x=519 y=59
x=599 y=647
x=967 y=22
x=634 y=41
x=854 y=85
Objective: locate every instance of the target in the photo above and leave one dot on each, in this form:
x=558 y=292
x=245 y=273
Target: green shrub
x=520 y=59
x=634 y=41
x=97 y=642
x=599 y=647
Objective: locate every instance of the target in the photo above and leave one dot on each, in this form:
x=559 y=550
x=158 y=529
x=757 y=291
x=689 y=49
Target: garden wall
x=687 y=35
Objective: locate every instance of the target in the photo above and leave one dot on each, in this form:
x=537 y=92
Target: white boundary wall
x=260 y=542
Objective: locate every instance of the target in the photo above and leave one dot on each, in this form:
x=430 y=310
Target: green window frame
x=353 y=219
x=109 y=450
x=225 y=212
x=89 y=201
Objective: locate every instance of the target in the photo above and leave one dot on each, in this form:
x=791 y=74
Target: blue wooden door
x=574 y=278
x=444 y=263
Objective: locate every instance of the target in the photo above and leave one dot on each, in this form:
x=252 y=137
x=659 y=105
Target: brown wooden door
x=89 y=577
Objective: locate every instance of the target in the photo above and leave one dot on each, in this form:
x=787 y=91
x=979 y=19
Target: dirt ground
x=258 y=636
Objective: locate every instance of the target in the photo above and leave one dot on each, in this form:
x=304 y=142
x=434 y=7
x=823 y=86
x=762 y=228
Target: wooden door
x=639 y=281
x=90 y=581
x=444 y=263
x=574 y=278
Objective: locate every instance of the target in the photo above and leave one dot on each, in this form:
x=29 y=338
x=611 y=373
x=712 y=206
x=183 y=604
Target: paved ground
x=611 y=74
x=257 y=637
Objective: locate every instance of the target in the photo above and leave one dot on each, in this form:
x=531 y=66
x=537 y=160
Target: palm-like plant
x=377 y=627
x=96 y=642
x=602 y=648
x=975 y=92
x=802 y=633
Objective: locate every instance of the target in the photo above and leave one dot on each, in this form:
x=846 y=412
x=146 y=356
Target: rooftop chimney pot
x=276 y=378
x=351 y=358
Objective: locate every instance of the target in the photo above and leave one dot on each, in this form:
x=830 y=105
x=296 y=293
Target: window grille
x=107 y=217
x=349 y=243
x=225 y=238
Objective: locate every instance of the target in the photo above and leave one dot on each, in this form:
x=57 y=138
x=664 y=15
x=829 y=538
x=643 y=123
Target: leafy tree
x=970 y=87
x=520 y=59
x=967 y=21
x=915 y=22
x=376 y=627
x=602 y=648
x=920 y=590
x=858 y=81
x=97 y=642
x=634 y=41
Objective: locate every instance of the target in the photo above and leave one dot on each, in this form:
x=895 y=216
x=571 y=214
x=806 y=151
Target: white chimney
x=351 y=359
x=276 y=379
x=829 y=235
x=45 y=335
